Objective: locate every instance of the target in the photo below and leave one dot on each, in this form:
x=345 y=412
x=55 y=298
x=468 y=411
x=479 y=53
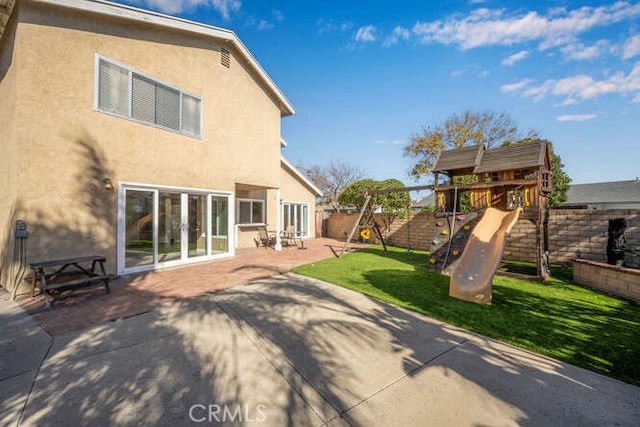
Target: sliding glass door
x=219 y=224
x=197 y=226
x=139 y=245
x=170 y=227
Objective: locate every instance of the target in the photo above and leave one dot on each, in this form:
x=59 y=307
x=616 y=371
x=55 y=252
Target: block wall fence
x=572 y=233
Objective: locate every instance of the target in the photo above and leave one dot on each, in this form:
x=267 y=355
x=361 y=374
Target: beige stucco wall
x=294 y=190
x=8 y=147
x=66 y=147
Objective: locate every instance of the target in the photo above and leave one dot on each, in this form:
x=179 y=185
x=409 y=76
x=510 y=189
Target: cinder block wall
x=570 y=231
x=415 y=232
x=572 y=234
x=624 y=282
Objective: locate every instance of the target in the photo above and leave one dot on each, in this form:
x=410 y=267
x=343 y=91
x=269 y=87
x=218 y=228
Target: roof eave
x=303 y=178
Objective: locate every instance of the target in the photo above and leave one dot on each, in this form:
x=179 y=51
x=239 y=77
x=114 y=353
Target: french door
x=296 y=215
x=164 y=227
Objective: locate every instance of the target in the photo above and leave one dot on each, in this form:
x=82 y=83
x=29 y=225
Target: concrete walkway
x=288 y=350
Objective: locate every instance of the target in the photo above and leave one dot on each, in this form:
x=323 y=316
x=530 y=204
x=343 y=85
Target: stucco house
x=150 y=139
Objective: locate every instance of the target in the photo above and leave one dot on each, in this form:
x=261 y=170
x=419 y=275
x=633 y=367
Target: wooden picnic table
x=59 y=275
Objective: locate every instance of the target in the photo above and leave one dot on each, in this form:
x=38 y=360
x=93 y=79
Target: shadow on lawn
x=561 y=320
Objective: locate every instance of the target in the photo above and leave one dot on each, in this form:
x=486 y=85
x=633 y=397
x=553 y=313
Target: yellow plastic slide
x=472 y=277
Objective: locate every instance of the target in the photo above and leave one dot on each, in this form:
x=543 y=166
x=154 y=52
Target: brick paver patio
x=139 y=293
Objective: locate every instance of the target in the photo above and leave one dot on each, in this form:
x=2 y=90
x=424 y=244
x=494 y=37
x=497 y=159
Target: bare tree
x=460 y=130
x=333 y=179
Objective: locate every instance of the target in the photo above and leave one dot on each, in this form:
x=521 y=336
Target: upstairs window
x=126 y=93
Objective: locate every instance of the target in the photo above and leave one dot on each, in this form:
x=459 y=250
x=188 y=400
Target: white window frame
x=129 y=116
x=123 y=187
x=252 y=201
x=301 y=223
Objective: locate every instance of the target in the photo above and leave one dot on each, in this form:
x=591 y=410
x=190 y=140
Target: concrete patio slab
x=289 y=350
x=485 y=382
x=23 y=346
x=183 y=365
x=333 y=337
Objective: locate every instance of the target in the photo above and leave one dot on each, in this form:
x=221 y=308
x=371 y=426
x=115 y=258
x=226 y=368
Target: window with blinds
x=124 y=92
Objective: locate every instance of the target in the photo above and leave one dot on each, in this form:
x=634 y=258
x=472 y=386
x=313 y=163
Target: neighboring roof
x=137 y=15
x=603 y=193
x=516 y=156
x=429 y=200
x=477 y=159
x=301 y=176
x=459 y=158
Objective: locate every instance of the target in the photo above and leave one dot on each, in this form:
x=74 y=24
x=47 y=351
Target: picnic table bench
x=56 y=276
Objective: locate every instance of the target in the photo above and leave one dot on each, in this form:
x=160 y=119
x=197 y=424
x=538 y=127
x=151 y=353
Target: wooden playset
x=476 y=178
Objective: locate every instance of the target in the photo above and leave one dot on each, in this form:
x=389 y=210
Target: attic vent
x=225 y=57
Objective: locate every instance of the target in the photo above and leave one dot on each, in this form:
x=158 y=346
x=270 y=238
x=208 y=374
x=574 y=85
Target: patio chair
x=288 y=235
x=264 y=238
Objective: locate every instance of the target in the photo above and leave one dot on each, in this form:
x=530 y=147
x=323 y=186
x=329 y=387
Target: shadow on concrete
x=303 y=352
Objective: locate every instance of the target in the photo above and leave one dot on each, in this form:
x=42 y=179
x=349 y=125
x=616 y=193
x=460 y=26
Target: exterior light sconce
x=108 y=185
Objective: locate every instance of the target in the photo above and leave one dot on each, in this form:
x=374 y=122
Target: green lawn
x=558 y=319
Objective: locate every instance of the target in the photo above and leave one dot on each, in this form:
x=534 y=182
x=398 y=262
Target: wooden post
x=545 y=270
x=376 y=227
x=355 y=226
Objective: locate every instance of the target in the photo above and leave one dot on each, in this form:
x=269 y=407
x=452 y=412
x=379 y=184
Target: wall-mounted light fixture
x=108 y=185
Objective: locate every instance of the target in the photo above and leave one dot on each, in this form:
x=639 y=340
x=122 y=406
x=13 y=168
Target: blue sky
x=365 y=76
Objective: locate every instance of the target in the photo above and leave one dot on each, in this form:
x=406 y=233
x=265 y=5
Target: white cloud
x=582 y=87
x=366 y=34
x=397 y=34
x=485 y=27
x=580 y=52
x=327 y=26
x=512 y=59
x=576 y=117
x=515 y=87
x=224 y=7
x=264 y=25
x=277 y=15
x=470 y=70
x=631 y=47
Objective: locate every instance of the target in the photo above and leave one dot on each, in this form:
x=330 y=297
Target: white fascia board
x=283 y=143
x=301 y=176
x=118 y=10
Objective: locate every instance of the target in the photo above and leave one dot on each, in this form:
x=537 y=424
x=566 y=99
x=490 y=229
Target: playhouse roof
x=517 y=156
x=477 y=159
x=459 y=159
